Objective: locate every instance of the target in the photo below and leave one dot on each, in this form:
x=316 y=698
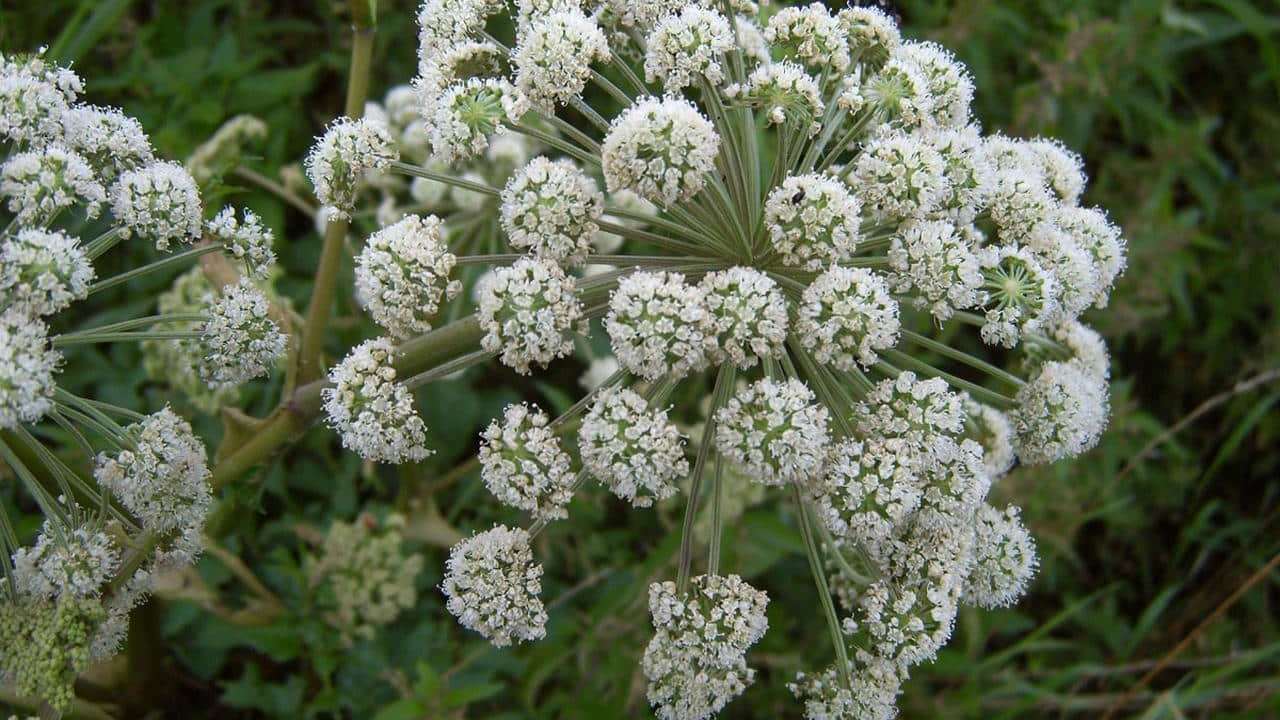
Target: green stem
x=139 y=322
x=326 y=277
x=96 y=338
x=824 y=591
x=963 y=357
x=156 y=266
x=418 y=171
x=103 y=243
x=989 y=396
x=723 y=386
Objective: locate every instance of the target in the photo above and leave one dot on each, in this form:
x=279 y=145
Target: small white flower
x=899 y=177
x=633 y=449
x=27 y=367
x=968 y=172
x=1100 y=238
x=467 y=114
x=932 y=258
x=1085 y=346
x=1075 y=275
x=774 y=432
x=550 y=208
x=1004 y=559
x=921 y=412
x=955 y=476
x=687 y=46
x=523 y=465
x=342 y=157
x=1062 y=167
x=111 y=141
x=163 y=478
x=529 y=313
x=159 y=202
x=33 y=99
x=874 y=694
x=39 y=184
x=492 y=584
x=661 y=149
x=65 y=562
x=1061 y=413
x=374 y=415
x=403 y=275
x=1018 y=203
x=899 y=94
x=868 y=489
x=42 y=272
x=992 y=429
x=846 y=316
x=240 y=340
x=785 y=92
x=810 y=35
x=658 y=325
x=813 y=221
x=871 y=33
x=443 y=23
x=1021 y=294
x=248 y=240
x=553 y=57
x=749 y=313
x=949 y=82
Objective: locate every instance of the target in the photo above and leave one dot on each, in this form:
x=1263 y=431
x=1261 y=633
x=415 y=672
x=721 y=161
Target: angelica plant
x=786 y=211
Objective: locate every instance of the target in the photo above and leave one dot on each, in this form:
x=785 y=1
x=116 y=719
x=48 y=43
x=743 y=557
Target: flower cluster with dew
x=77 y=181
x=823 y=219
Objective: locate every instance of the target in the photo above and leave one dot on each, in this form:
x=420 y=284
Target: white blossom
x=42 y=272
x=898 y=177
x=28 y=364
x=553 y=57
x=342 y=157
x=950 y=85
x=523 y=464
x=467 y=114
x=921 y=412
x=550 y=208
x=1061 y=413
x=1099 y=237
x=1018 y=203
x=373 y=414
x=868 y=490
x=809 y=35
x=812 y=221
x=1062 y=167
x=774 y=432
x=111 y=141
x=403 y=275
x=933 y=259
x=39 y=184
x=1085 y=347
x=443 y=23
x=871 y=33
x=992 y=429
x=158 y=202
x=873 y=695
x=492 y=584
x=239 y=339
x=1021 y=296
x=247 y=239
x=632 y=448
x=65 y=562
x=163 y=477
x=658 y=325
x=661 y=149
x=1004 y=559
x=749 y=313
x=786 y=93
x=529 y=313
x=846 y=316
x=687 y=46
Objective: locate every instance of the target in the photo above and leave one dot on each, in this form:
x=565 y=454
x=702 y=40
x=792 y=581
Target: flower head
x=340 y=159
x=873 y=696
x=112 y=142
x=872 y=34
x=774 y=431
x=899 y=177
x=749 y=314
x=1061 y=413
x=550 y=208
x=42 y=271
x=523 y=464
x=529 y=312
x=868 y=489
x=846 y=316
x=492 y=585
x=935 y=260
x=786 y=93
x=467 y=114
x=27 y=367
x=248 y=240
x=1004 y=559
x=812 y=221
x=403 y=275
x=163 y=479
x=39 y=184
x=687 y=46
x=809 y=35
x=554 y=55
x=632 y=448
x=240 y=340
x=71 y=562
x=370 y=410
x=658 y=325
x=661 y=149
x=158 y=202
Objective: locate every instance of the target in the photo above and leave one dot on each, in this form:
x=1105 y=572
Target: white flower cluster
x=34 y=96
x=550 y=208
x=403 y=275
x=660 y=325
x=632 y=448
x=71 y=562
x=933 y=258
x=159 y=202
x=467 y=113
x=809 y=35
x=661 y=149
x=785 y=92
x=163 y=479
x=1061 y=413
x=873 y=695
x=846 y=315
x=773 y=431
x=553 y=58
x=523 y=464
x=492 y=584
x=111 y=141
x=40 y=184
x=42 y=272
x=27 y=367
x=246 y=239
x=342 y=157
x=900 y=177
x=688 y=46
x=749 y=315
x=374 y=415
x=812 y=221
x=240 y=340
x=529 y=313
x=1004 y=559
x=696 y=661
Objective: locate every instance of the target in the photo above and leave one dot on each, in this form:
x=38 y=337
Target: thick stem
x=326 y=277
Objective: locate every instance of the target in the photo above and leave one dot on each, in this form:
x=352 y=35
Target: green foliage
x=1176 y=106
